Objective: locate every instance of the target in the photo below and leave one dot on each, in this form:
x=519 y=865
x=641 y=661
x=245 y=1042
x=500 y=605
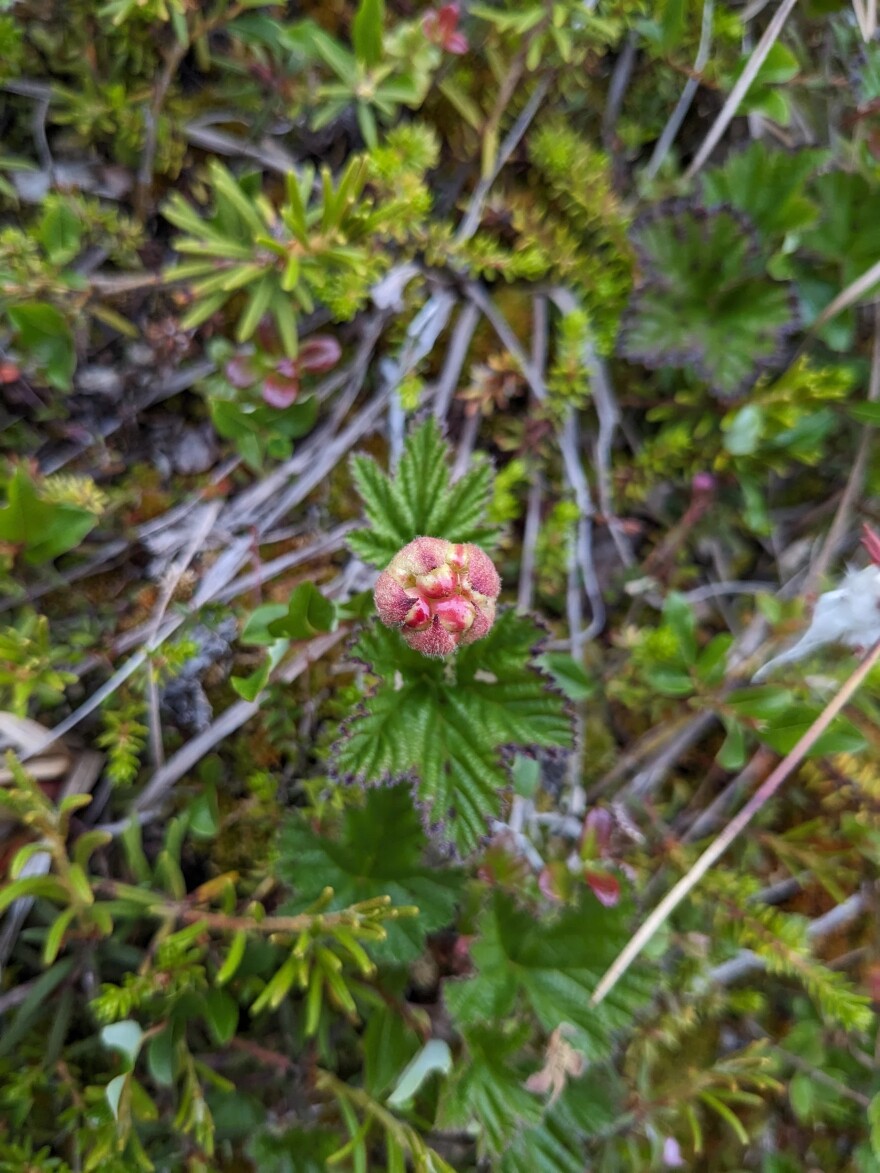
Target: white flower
x=849 y=615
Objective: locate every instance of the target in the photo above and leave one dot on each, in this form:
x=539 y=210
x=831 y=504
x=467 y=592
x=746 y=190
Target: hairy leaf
x=843 y=236
x=553 y=965
x=419 y=500
x=444 y=724
x=377 y=852
x=556 y=1144
x=768 y=187
x=487 y=1087
x=706 y=301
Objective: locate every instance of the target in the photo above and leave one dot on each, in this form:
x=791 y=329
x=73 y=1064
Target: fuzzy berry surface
x=439 y=594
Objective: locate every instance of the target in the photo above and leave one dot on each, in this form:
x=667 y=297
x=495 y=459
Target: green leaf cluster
x=581 y=225
x=285 y=258
x=370 y=79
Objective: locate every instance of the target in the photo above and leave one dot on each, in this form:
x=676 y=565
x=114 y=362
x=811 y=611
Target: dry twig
x=741 y=88
x=736 y=825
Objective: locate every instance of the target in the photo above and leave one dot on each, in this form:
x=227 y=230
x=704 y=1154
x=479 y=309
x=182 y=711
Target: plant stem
x=228 y=923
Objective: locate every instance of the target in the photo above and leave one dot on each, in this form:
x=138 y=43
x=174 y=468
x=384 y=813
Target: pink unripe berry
x=440 y=594
x=456 y=615
x=439 y=584
x=418 y=616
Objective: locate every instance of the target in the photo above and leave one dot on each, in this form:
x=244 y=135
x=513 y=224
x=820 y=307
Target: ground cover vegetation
x=584 y=292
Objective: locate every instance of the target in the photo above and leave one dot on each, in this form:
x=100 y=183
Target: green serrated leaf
x=448 y=732
x=706 y=301
x=363 y=861
x=488 y=1088
x=419 y=501
x=569 y=675
x=585 y=1108
x=768 y=186
x=554 y=964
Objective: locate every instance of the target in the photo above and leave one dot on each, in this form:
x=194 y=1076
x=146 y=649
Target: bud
x=440 y=594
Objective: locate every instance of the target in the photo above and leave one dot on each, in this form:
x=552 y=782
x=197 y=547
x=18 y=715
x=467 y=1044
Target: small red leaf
x=240 y=372
x=280 y=392
x=440 y=26
x=319 y=354
x=288 y=368
x=267 y=336
x=555 y=881
x=605 y=887
x=596 y=835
